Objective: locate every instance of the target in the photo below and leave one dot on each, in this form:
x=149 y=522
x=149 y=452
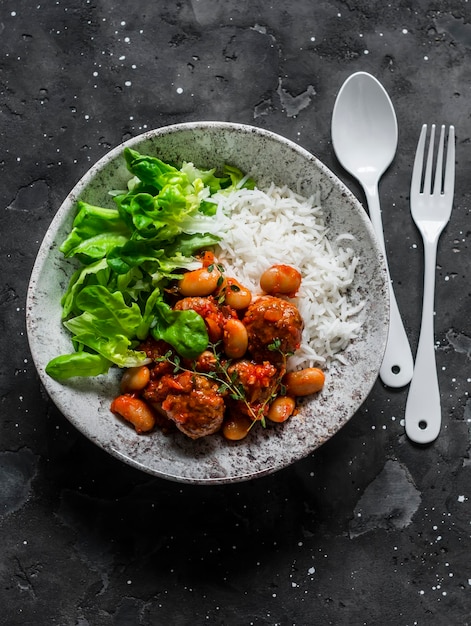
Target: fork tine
x=428 y=168
x=418 y=162
x=449 y=184
x=437 y=186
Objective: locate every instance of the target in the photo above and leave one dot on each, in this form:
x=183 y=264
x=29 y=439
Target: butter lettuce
x=95 y=232
x=183 y=330
x=77 y=364
x=128 y=254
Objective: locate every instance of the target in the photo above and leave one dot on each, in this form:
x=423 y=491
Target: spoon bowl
x=364 y=137
x=364 y=127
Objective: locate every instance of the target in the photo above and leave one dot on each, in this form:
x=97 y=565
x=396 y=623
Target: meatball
x=155 y=350
x=191 y=401
x=269 y=319
x=259 y=381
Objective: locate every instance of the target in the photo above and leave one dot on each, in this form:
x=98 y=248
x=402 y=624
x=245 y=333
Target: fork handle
x=423 y=411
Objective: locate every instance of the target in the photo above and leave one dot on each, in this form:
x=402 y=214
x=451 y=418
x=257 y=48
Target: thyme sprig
x=228 y=381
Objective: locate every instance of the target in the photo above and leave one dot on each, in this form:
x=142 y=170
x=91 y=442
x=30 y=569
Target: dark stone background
x=371 y=529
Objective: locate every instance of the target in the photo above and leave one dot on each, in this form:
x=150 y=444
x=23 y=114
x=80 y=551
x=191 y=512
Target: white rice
x=276 y=226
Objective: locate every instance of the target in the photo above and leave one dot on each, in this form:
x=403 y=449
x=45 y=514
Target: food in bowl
x=350 y=372
x=241 y=377
x=205 y=352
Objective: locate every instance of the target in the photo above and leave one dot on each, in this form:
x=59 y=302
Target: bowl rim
x=75 y=193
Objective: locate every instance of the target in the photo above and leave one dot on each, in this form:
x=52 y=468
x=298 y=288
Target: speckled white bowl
x=85 y=402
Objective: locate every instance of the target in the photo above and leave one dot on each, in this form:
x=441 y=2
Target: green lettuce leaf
x=128 y=256
x=77 y=364
x=109 y=311
x=151 y=170
x=183 y=330
x=116 y=348
x=95 y=273
x=95 y=231
x=187 y=245
x=148 y=316
x=107 y=325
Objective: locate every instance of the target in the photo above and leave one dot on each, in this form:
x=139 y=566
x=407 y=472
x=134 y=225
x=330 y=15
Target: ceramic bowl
x=266 y=157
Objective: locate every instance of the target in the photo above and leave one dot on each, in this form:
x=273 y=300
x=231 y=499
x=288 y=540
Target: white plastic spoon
x=364 y=137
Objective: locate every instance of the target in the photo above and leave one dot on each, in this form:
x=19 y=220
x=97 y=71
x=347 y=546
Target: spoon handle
x=398 y=365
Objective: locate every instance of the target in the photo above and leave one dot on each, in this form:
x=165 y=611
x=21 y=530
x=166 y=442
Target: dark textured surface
x=371 y=529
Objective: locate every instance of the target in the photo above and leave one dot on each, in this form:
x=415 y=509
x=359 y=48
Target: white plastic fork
x=431 y=210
